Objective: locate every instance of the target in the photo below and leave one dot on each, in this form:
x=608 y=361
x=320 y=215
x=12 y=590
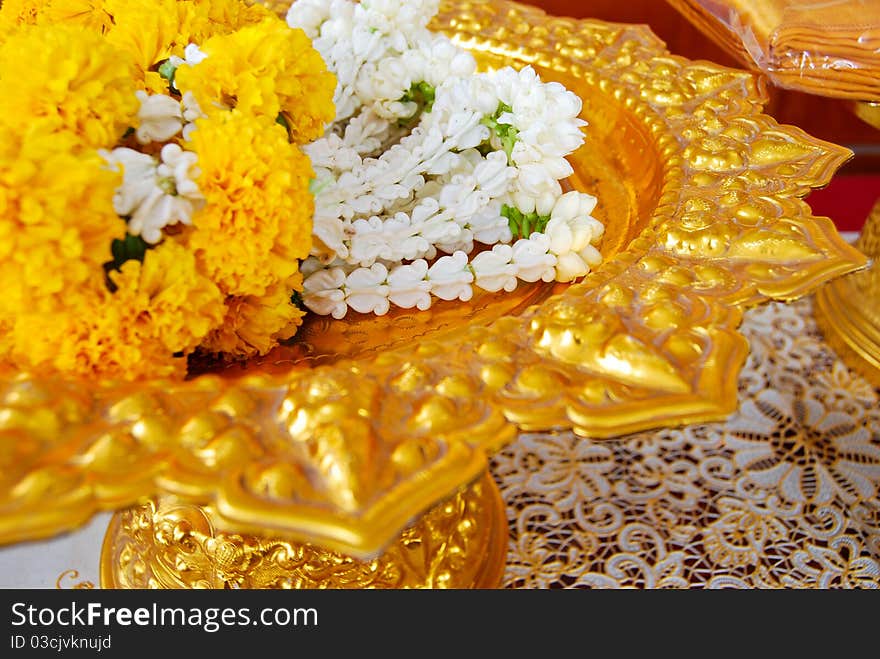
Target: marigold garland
x=154 y=201
x=142 y=221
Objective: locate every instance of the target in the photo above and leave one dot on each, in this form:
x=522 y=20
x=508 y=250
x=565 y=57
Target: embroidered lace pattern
x=784 y=494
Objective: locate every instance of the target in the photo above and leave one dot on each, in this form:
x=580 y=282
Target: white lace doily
x=784 y=494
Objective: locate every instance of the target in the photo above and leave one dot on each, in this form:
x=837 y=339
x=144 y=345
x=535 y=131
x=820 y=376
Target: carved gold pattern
x=848 y=309
x=72 y=575
x=345 y=452
x=461 y=543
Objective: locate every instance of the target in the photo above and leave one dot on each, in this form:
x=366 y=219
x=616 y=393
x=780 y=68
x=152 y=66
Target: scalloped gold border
x=346 y=455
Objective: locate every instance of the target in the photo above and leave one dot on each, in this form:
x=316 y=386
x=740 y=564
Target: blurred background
x=855 y=188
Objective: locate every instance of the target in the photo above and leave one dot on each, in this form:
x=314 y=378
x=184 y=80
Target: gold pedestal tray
x=848 y=309
x=343 y=438
x=461 y=543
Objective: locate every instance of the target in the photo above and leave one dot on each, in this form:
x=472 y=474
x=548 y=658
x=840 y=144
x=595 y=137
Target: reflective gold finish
x=848 y=309
x=344 y=438
x=869 y=112
x=462 y=543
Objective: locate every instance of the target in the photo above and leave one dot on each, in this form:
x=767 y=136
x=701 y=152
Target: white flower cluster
x=427 y=157
x=564 y=252
x=155 y=193
x=159 y=192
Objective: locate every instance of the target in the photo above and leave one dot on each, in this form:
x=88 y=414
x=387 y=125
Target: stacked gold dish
x=357 y=454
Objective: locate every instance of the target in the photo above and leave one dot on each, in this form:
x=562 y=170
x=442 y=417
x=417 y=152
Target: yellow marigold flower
x=6 y=327
x=154 y=83
x=160 y=309
x=19 y=12
x=170 y=300
x=212 y=17
x=56 y=218
x=90 y=14
x=91 y=335
x=255 y=325
x=154 y=30
x=64 y=79
x=84 y=13
x=264 y=70
x=149 y=30
x=257 y=218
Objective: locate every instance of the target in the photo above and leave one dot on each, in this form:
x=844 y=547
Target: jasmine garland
x=427 y=160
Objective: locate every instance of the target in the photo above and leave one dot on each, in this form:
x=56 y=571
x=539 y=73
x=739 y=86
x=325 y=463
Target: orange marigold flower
x=90 y=14
x=19 y=12
x=213 y=17
x=90 y=336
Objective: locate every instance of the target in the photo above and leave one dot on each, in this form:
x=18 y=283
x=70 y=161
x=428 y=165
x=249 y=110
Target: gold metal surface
x=461 y=543
x=868 y=111
x=848 y=309
x=345 y=438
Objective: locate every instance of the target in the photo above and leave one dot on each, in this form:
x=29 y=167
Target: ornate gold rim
x=348 y=454
x=848 y=308
x=460 y=543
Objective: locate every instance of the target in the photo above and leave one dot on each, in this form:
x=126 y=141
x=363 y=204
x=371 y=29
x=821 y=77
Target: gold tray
x=344 y=437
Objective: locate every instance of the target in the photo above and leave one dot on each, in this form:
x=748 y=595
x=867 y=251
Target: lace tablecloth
x=782 y=494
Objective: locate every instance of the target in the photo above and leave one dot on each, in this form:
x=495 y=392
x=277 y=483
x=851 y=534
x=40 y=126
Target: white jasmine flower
x=367 y=133
x=330 y=152
x=139 y=178
x=571 y=228
x=192 y=55
x=532 y=259
x=570 y=266
x=489 y=226
x=155 y=193
x=568 y=206
x=545 y=202
x=493 y=269
x=572 y=237
x=392 y=194
x=309 y=266
x=323 y=294
x=534 y=180
x=590 y=255
x=328 y=234
x=191 y=111
x=367 y=290
x=160 y=117
x=308 y=15
x=408 y=286
x=451 y=278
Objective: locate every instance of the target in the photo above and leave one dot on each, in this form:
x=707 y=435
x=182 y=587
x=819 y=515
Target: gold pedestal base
x=848 y=309
x=461 y=543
